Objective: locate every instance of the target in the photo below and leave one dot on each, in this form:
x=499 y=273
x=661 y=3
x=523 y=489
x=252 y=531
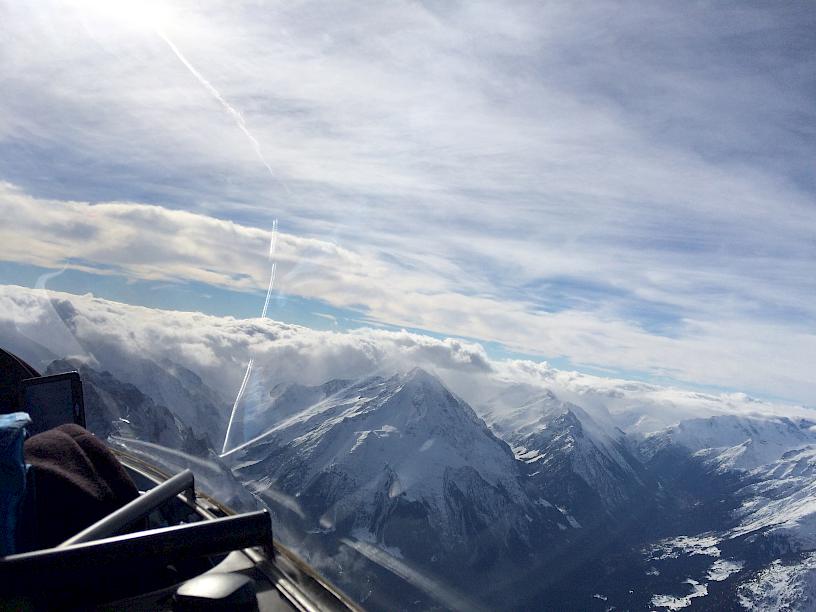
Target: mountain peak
x=419 y=375
x=420 y=381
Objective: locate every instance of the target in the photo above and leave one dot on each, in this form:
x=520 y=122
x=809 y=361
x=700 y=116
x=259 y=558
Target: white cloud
x=218 y=349
x=620 y=188
x=151 y=242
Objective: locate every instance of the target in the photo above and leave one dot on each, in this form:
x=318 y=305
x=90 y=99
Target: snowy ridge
x=774 y=457
x=643 y=408
x=522 y=411
x=561 y=441
x=728 y=442
x=401 y=451
x=262 y=410
x=384 y=415
x=782 y=499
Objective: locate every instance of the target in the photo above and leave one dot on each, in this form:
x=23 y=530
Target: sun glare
x=138 y=14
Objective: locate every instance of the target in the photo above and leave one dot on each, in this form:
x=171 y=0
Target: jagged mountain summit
x=578 y=461
x=401 y=462
x=734 y=442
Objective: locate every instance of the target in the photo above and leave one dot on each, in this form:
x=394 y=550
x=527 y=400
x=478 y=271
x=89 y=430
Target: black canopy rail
x=81 y=566
x=140 y=507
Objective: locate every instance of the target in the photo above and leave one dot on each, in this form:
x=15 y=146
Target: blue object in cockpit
x=12 y=477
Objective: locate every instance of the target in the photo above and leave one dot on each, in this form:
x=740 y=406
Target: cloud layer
x=40 y=325
x=159 y=244
x=621 y=188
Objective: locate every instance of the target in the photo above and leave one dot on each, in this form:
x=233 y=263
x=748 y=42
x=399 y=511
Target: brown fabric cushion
x=78 y=480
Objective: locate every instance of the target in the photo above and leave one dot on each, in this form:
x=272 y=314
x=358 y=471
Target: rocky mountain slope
x=402 y=463
x=690 y=515
x=117 y=408
x=542 y=499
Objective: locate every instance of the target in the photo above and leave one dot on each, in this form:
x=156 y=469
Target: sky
x=615 y=187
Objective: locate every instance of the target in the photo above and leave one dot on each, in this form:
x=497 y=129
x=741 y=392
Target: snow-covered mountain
x=571 y=491
x=560 y=490
x=172 y=385
x=724 y=496
x=781 y=587
x=780 y=500
x=189 y=398
x=688 y=515
x=577 y=461
x=763 y=470
x=114 y=407
x=261 y=408
x=728 y=442
x=718 y=505
x=403 y=463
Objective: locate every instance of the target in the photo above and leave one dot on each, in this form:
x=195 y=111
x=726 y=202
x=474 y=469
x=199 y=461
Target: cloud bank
x=40 y=325
x=149 y=242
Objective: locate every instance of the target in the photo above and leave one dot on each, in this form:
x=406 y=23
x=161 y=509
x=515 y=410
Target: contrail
x=272 y=246
x=237 y=117
x=241 y=123
x=235 y=406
